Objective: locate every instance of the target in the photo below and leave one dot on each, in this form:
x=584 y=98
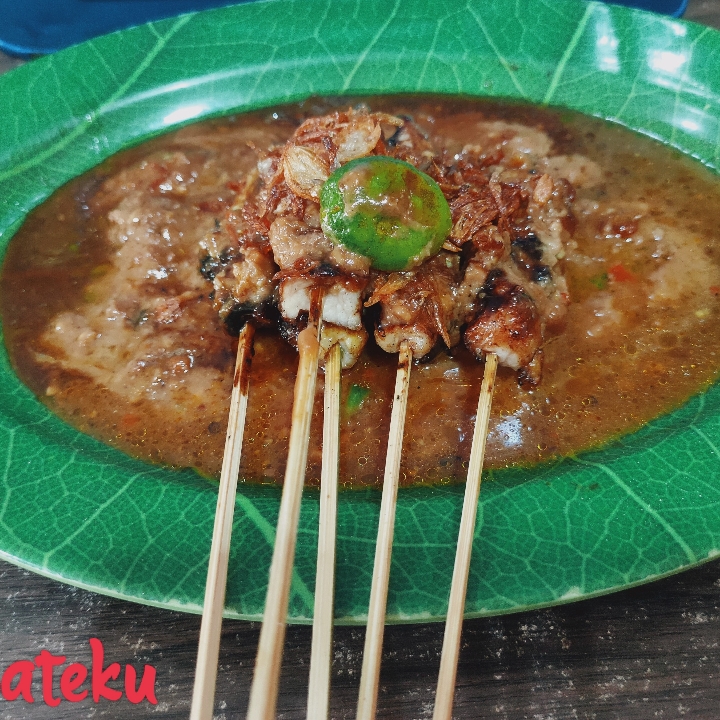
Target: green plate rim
x=644 y=507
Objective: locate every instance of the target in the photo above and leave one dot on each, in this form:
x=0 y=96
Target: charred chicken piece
x=508 y=324
x=240 y=265
x=341 y=307
x=418 y=306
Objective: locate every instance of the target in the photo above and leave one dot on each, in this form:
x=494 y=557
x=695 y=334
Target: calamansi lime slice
x=386 y=210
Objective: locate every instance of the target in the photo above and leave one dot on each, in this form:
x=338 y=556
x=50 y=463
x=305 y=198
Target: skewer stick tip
x=456 y=605
x=210 y=627
x=264 y=688
x=372 y=653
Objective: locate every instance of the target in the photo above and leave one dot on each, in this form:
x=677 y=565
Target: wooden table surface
x=645 y=653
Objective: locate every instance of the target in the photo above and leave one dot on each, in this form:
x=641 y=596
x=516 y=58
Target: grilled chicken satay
x=307 y=260
x=523 y=295
x=388 y=211
x=497 y=275
x=496 y=284
x=239 y=263
x=418 y=307
x=357 y=207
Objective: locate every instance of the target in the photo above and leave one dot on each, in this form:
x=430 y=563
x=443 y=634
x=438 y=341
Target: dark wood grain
x=648 y=652
x=645 y=653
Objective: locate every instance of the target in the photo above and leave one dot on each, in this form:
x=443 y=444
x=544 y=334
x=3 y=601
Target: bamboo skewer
x=209 y=643
x=456 y=605
x=321 y=648
x=264 y=689
x=372 y=653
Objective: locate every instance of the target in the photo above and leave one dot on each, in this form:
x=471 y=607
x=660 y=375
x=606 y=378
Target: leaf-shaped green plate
x=75 y=510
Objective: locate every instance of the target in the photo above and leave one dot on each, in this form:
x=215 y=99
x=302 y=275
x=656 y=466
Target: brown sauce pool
x=107 y=319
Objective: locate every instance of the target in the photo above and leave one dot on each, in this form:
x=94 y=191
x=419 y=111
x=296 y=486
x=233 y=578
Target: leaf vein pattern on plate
x=569 y=50
x=506 y=65
x=647 y=508
x=268 y=532
x=88 y=521
x=90 y=117
x=371 y=45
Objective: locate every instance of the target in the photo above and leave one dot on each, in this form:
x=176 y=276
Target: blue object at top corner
x=39 y=27
x=666 y=7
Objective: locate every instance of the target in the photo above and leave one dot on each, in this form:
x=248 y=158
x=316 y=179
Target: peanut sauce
x=118 y=248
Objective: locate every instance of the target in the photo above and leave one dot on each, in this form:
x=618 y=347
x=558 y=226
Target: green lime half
x=386 y=210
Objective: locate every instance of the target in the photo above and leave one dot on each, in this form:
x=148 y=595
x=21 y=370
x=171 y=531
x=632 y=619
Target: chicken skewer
x=372 y=652
x=417 y=309
x=245 y=286
x=278 y=225
x=411 y=224
x=305 y=300
x=264 y=689
x=411 y=322
x=209 y=643
x=343 y=208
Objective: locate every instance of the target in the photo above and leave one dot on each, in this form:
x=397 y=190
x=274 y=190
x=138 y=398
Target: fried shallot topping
x=496 y=284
